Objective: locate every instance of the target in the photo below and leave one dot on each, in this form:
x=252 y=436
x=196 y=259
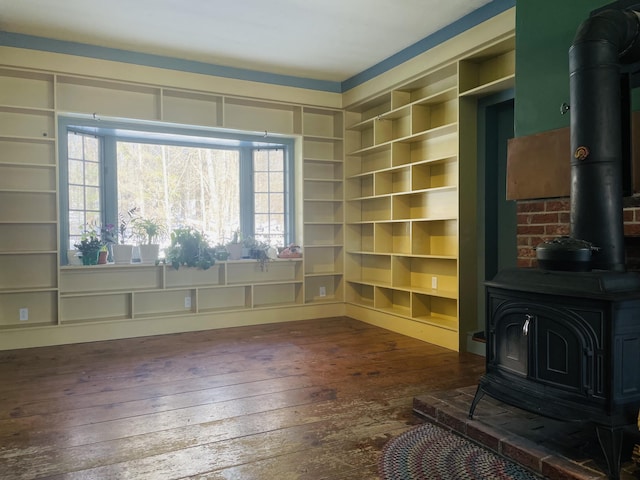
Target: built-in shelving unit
x=28 y=194
x=383 y=191
x=323 y=131
x=128 y=292
x=32 y=279
x=406 y=159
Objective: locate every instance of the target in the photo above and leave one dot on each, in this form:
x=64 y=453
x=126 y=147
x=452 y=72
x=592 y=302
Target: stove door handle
x=525 y=327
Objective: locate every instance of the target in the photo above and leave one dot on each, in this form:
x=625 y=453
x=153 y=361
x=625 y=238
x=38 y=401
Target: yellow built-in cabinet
x=410 y=191
x=385 y=200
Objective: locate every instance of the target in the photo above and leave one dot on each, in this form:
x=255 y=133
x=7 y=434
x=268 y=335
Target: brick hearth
x=557 y=450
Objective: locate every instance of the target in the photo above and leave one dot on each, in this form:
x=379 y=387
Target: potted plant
x=260 y=251
x=122 y=251
x=222 y=253
x=234 y=247
x=190 y=248
x=148 y=231
x=103 y=255
x=89 y=246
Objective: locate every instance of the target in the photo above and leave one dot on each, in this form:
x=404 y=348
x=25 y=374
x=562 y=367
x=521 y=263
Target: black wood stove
x=563 y=340
x=566 y=345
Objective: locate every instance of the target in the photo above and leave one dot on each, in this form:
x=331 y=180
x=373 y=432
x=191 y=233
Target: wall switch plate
x=434 y=283
x=323 y=291
x=187 y=302
x=24 y=314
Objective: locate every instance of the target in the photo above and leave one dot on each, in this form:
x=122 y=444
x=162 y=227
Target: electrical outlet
x=323 y=291
x=24 y=314
x=434 y=283
x=187 y=302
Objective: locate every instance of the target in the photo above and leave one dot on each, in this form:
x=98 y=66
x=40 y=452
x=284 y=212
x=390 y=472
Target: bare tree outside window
x=181 y=186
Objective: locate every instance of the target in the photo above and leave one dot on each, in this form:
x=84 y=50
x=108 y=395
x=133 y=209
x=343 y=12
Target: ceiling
x=330 y=40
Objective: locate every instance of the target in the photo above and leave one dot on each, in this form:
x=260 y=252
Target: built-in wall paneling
x=403 y=193
x=28 y=192
x=323 y=178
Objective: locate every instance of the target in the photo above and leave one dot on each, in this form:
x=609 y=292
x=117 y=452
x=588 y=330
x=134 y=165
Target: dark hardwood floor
x=302 y=400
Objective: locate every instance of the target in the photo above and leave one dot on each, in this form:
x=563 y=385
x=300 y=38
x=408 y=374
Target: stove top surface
x=596 y=282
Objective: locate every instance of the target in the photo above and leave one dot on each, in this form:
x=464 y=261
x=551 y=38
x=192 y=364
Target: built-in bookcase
x=128 y=292
x=323 y=172
x=382 y=196
x=36 y=282
x=406 y=195
x=28 y=195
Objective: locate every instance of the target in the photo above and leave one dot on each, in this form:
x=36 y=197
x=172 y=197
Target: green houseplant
x=148 y=232
x=89 y=246
x=122 y=252
x=190 y=248
x=234 y=247
x=222 y=253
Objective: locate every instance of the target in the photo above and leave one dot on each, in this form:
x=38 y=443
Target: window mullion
x=247 y=204
x=110 y=180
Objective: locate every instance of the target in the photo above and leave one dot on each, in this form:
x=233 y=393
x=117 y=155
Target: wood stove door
x=563 y=355
x=542 y=342
x=511 y=342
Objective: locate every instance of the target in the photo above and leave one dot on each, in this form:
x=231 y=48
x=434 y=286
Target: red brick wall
x=540 y=220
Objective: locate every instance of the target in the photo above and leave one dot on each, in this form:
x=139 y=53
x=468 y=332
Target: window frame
x=113 y=130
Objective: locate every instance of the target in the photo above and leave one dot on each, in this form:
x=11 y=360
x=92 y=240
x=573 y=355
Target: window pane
x=261 y=160
x=84 y=196
x=276 y=203
x=76 y=222
x=276 y=182
x=261 y=203
x=261 y=182
x=93 y=220
x=277 y=224
x=74 y=145
x=92 y=174
x=269 y=195
x=76 y=197
x=92 y=198
x=276 y=161
x=262 y=225
x=91 y=149
x=76 y=172
x=181 y=186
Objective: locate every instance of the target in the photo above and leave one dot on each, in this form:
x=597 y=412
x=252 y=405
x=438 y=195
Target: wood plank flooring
x=310 y=400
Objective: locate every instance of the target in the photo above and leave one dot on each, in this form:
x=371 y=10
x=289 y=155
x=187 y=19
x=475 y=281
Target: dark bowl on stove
x=565 y=253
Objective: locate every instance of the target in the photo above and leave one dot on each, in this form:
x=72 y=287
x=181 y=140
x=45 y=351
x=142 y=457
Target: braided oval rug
x=430 y=452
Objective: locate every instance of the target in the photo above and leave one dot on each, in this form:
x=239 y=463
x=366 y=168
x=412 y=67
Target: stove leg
x=476 y=398
x=611 y=443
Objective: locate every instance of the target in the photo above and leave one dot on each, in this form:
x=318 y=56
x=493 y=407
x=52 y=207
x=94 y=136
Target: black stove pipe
x=600 y=126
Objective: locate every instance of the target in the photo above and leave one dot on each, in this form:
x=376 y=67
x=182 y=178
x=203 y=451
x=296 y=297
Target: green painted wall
x=544 y=33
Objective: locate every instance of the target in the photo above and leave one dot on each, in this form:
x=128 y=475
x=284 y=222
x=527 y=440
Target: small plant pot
x=102 y=257
x=121 y=254
x=149 y=253
x=222 y=256
x=90 y=258
x=74 y=257
x=235 y=251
